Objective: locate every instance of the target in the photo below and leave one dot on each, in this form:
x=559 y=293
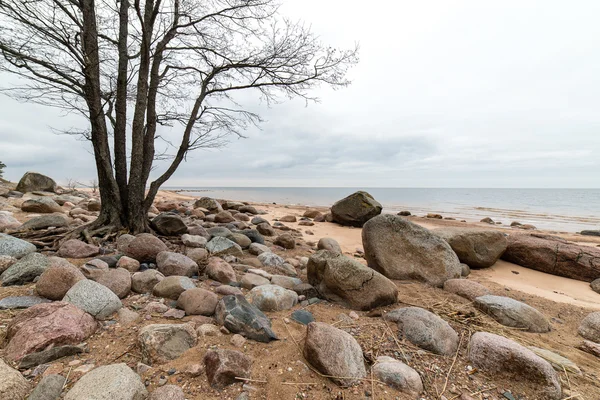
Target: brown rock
x=117 y=280
x=220 y=271
x=224 y=217
x=312 y=213
x=129 y=264
x=56 y=281
x=164 y=342
x=288 y=218
x=330 y=244
x=171 y=287
x=169 y=263
x=223 y=366
x=265 y=229
x=145 y=247
x=198 y=302
x=46 y=324
x=554 y=256
x=167 y=392
x=465 y=288
x=144 y=282
x=77 y=249
x=478 y=248
x=94 y=268
x=286 y=241
x=12 y=384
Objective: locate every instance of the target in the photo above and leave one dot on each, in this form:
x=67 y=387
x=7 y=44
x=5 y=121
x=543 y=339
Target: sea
x=564 y=210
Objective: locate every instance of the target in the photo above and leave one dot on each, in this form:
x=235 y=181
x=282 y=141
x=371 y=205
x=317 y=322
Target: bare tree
x=137 y=68
x=71 y=184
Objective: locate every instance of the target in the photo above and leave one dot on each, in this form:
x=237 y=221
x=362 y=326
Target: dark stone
x=49 y=388
x=590 y=233
x=254 y=236
x=302 y=316
x=169 y=224
x=307 y=290
x=355 y=209
x=110 y=260
x=239 y=316
x=32 y=182
x=46 y=356
x=14 y=302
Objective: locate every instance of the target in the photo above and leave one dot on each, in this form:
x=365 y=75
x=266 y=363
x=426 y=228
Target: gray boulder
x=400 y=249
x=220 y=246
x=25 y=270
x=109 y=382
x=272 y=298
x=345 y=280
x=45 y=221
x=41 y=205
x=425 y=329
x=398 y=375
x=49 y=388
x=356 y=209
x=478 y=248
x=330 y=244
x=513 y=313
x=93 y=298
x=501 y=356
x=171 y=287
x=334 y=352
x=13 y=247
x=590 y=327
x=272 y=260
x=144 y=281
x=34 y=182
x=239 y=316
x=169 y=263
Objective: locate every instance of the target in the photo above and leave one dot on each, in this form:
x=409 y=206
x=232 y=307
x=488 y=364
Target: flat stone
x=302 y=316
x=513 y=313
x=198 y=301
x=164 y=342
x=109 y=382
x=46 y=356
x=250 y=281
x=16 y=302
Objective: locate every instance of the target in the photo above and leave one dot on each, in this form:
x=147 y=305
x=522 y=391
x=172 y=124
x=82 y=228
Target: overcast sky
x=446 y=94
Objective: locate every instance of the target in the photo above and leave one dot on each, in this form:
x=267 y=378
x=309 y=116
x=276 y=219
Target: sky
x=446 y=94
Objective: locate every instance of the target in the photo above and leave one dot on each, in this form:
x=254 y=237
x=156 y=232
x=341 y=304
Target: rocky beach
x=234 y=300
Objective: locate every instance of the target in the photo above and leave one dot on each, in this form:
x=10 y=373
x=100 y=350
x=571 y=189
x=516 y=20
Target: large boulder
x=224 y=366
x=478 y=248
x=47 y=324
x=239 y=316
x=170 y=263
x=12 y=384
x=272 y=298
x=498 y=355
x=347 y=281
x=220 y=246
x=93 y=298
x=425 y=329
x=513 y=313
x=45 y=221
x=13 y=247
x=169 y=224
x=34 y=182
x=56 y=281
x=335 y=353
x=41 y=205
x=25 y=270
x=145 y=247
x=355 y=209
x=400 y=249
x=211 y=205
x=330 y=244
x=590 y=327
x=109 y=382
x=75 y=248
x=164 y=342
x=554 y=256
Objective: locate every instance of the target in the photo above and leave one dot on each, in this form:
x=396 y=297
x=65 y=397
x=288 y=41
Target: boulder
x=145 y=281
x=41 y=205
x=330 y=244
x=590 y=327
x=118 y=280
x=25 y=270
x=425 y=329
x=220 y=271
x=478 y=248
x=43 y=325
x=145 y=247
x=272 y=260
x=224 y=217
x=250 y=281
x=239 y=316
x=220 y=246
x=212 y=205
x=501 y=356
x=265 y=229
x=12 y=384
x=195 y=241
x=7 y=222
x=334 y=352
x=171 y=287
x=93 y=298
x=13 y=247
x=513 y=313
x=400 y=249
x=199 y=256
x=254 y=236
x=49 y=388
x=35 y=182
x=109 y=382
x=397 y=375
x=224 y=366
x=345 y=280
x=466 y=288
x=287 y=282
x=169 y=224
x=554 y=256
x=590 y=232
x=75 y=248
x=94 y=268
x=198 y=301
x=272 y=298
x=286 y=241
x=45 y=221
x=170 y=263
x=240 y=239
x=257 y=249
x=160 y=343
x=248 y=209
x=356 y=209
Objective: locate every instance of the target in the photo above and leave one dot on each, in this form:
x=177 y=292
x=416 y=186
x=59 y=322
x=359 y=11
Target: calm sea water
x=568 y=210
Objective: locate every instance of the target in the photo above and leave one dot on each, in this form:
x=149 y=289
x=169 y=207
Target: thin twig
x=452 y=366
x=250 y=380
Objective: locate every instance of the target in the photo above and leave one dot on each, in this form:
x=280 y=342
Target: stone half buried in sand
x=109 y=382
x=239 y=316
x=164 y=342
x=498 y=355
x=356 y=209
x=478 y=248
x=554 y=256
x=344 y=280
x=513 y=313
x=400 y=249
x=47 y=324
